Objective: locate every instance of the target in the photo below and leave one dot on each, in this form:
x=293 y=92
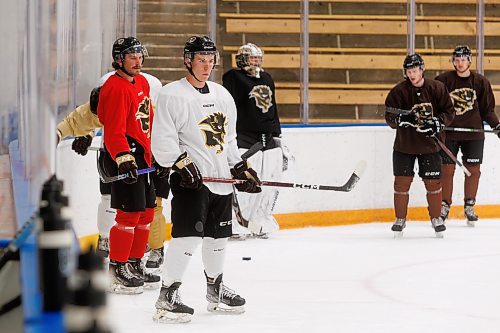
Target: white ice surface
x=345 y=279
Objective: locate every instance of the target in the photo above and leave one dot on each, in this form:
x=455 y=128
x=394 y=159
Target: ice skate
x=445 y=211
x=169 y=306
x=102 y=246
x=123 y=279
x=151 y=281
x=398 y=227
x=469 y=213
x=221 y=299
x=155 y=259
x=439 y=227
x=239 y=232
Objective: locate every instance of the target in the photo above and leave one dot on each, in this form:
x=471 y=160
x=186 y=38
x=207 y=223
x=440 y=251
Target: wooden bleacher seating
x=344 y=90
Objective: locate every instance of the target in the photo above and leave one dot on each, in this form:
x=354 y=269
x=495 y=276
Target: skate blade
x=154 y=270
x=439 y=234
x=116 y=288
x=221 y=308
x=471 y=224
x=152 y=285
x=238 y=237
x=167 y=317
x=398 y=234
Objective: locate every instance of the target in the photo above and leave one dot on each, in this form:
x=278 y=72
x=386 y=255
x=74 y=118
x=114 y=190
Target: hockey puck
x=246 y=258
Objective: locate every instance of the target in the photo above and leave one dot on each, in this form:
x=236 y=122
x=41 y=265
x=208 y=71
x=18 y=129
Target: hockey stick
x=439 y=142
x=450 y=155
x=397 y=111
x=107 y=179
x=348 y=186
x=234 y=202
x=18 y=240
x=473 y=130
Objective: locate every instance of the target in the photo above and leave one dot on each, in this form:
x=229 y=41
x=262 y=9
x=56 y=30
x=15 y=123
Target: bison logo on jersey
x=463 y=100
x=423 y=111
x=263 y=97
x=142 y=115
x=214 y=129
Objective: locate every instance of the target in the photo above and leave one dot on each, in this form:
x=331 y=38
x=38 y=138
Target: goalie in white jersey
x=194 y=133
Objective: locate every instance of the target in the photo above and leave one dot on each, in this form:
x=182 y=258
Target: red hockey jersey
x=125 y=110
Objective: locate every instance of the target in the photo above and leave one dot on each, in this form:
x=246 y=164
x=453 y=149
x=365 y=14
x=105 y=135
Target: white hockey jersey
x=203 y=125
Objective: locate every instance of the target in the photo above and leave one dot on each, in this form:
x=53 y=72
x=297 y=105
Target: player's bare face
x=416 y=76
x=462 y=65
x=133 y=63
x=202 y=65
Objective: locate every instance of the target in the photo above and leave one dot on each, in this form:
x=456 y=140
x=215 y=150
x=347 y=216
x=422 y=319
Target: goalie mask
x=249 y=58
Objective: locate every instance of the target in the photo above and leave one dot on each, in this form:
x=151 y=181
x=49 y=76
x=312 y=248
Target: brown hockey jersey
x=473 y=101
x=433 y=99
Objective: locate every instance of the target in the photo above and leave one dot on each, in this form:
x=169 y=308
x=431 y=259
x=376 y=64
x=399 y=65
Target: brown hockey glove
x=127 y=166
x=431 y=127
x=189 y=172
x=407 y=120
x=81 y=144
x=242 y=170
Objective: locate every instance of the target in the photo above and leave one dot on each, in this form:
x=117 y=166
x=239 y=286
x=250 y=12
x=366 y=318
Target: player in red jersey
x=125 y=111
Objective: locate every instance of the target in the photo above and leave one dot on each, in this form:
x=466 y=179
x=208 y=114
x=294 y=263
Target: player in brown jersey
x=418 y=109
x=474 y=102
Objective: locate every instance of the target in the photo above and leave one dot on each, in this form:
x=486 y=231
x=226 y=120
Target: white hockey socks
x=177 y=257
x=213 y=255
x=105 y=215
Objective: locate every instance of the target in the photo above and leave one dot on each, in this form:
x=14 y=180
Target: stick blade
x=355 y=177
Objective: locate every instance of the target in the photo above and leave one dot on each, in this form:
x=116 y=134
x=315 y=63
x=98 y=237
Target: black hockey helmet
x=200 y=45
x=462 y=51
x=126 y=45
x=413 y=60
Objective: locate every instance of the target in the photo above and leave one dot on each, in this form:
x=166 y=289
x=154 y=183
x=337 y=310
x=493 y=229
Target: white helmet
x=249 y=58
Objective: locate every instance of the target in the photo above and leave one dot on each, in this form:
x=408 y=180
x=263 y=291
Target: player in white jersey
x=194 y=133
x=81 y=124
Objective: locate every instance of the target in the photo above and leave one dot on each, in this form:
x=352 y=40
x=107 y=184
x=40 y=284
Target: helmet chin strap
x=190 y=70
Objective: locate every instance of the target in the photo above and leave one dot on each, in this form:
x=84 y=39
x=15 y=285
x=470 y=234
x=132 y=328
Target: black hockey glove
x=189 y=172
x=160 y=171
x=127 y=166
x=242 y=170
x=81 y=144
x=407 y=120
x=431 y=126
x=497 y=128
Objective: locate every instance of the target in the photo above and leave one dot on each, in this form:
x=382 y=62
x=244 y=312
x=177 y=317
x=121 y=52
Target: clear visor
x=203 y=57
x=136 y=49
